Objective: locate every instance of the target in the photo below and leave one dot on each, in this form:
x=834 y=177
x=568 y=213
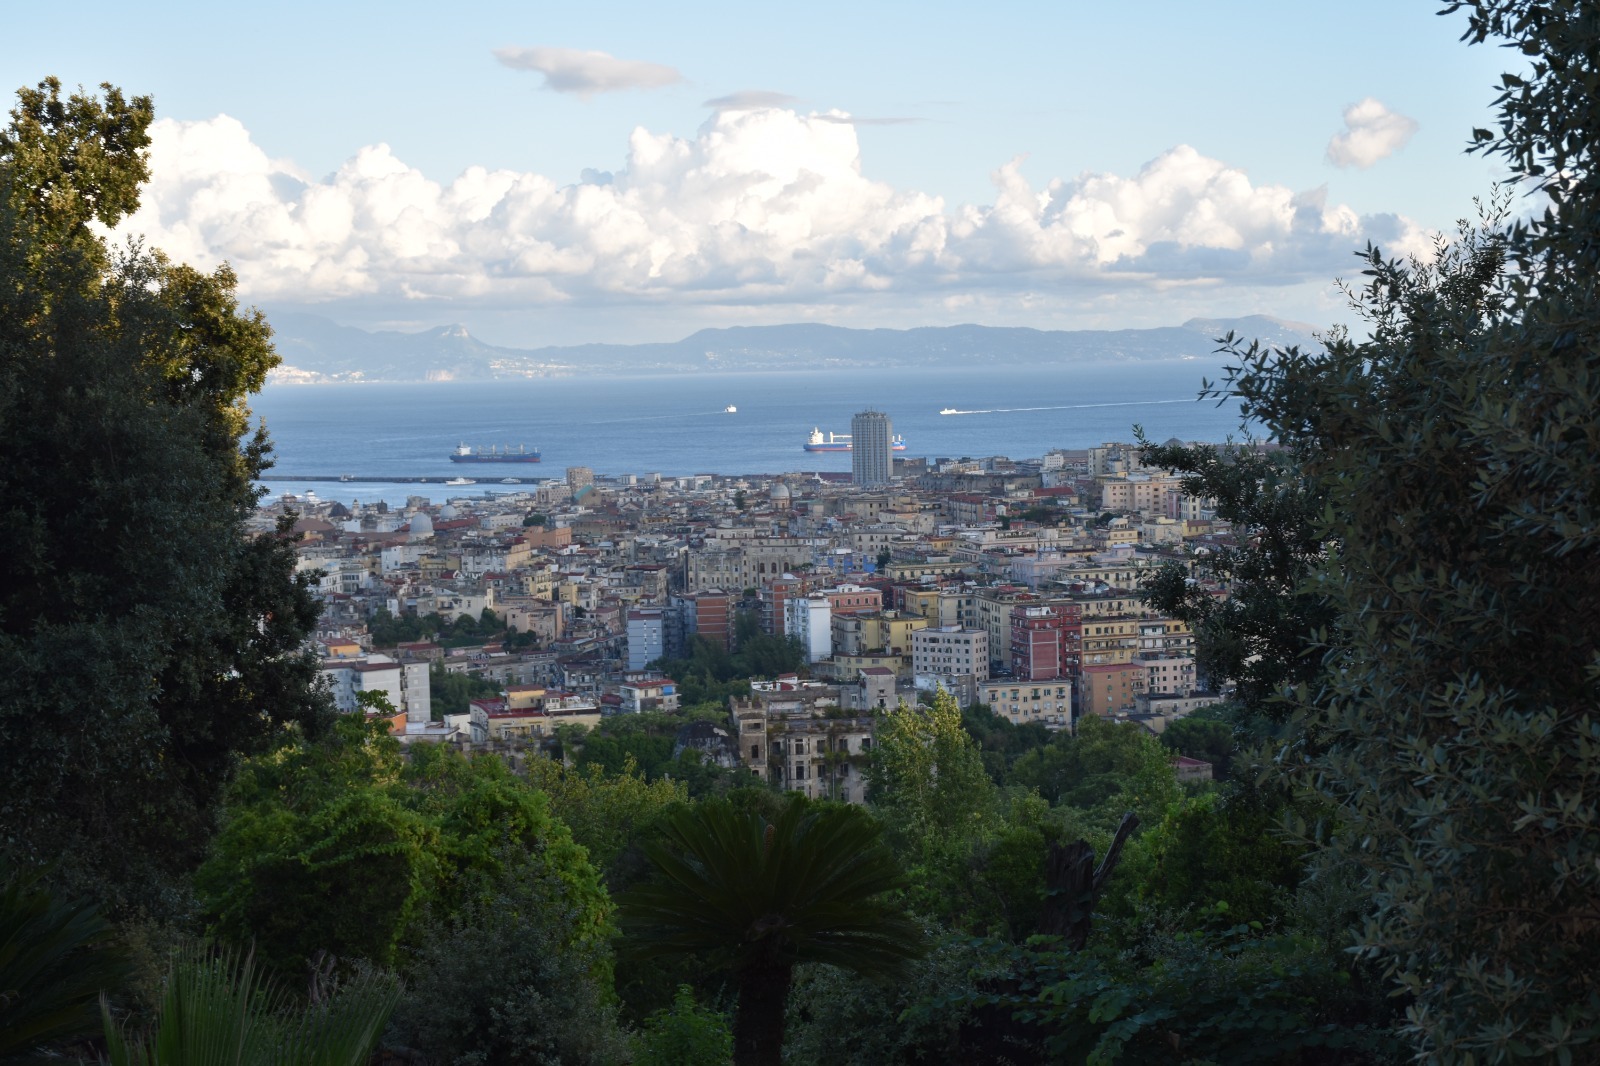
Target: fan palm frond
x=222 y=1010
x=54 y=964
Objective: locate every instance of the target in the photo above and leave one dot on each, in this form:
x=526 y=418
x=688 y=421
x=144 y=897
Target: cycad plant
x=55 y=961
x=221 y=1010
x=759 y=897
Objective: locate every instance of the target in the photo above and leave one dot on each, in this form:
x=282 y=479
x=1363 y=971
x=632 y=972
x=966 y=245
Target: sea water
x=676 y=425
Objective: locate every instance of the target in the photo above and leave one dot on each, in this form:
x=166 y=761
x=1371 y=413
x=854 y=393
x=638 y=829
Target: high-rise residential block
x=871 y=460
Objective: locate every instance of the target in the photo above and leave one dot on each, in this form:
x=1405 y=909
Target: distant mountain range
x=315 y=349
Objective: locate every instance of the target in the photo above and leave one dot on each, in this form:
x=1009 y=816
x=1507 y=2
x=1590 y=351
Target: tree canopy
x=1447 y=711
x=132 y=603
x=341 y=846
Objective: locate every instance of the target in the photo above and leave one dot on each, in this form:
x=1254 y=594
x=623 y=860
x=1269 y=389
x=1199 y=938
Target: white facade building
x=950 y=652
x=406 y=685
x=646 y=637
x=810 y=618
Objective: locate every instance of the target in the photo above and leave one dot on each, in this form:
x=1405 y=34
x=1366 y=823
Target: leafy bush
x=1233 y=996
x=340 y=846
x=511 y=977
x=687 y=1034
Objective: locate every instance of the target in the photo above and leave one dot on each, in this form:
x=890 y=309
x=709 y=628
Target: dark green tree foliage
x=683 y=1035
x=932 y=1016
x=388 y=630
x=132 y=603
x=501 y=979
x=1232 y=996
x=1108 y=765
x=450 y=693
x=1001 y=741
x=342 y=845
x=625 y=743
x=1261 y=635
x=645 y=739
x=1221 y=851
x=711 y=673
x=759 y=897
x=1205 y=734
x=1456 y=451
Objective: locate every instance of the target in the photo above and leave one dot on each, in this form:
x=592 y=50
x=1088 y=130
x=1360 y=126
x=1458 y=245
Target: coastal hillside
x=316 y=349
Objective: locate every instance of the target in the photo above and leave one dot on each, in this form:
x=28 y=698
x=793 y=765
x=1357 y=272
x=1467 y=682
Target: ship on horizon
x=494 y=454
x=840 y=442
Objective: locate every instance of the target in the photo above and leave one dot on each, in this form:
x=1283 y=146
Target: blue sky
x=1057 y=165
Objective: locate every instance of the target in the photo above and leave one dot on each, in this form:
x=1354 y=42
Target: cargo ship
x=465 y=454
x=840 y=442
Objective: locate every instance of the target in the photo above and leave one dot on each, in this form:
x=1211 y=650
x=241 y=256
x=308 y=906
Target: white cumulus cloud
x=1371 y=132
x=571 y=70
x=759 y=206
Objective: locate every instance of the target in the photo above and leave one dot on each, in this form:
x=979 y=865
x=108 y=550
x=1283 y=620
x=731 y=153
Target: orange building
x=1111 y=687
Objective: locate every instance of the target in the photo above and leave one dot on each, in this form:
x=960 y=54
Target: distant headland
x=316 y=350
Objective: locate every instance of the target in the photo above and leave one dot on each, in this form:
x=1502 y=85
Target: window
x=755 y=751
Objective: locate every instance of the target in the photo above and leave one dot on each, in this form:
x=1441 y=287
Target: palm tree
x=220 y=1010
x=56 y=959
x=759 y=897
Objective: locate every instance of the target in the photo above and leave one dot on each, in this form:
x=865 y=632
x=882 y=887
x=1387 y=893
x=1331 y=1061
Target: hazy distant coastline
x=316 y=350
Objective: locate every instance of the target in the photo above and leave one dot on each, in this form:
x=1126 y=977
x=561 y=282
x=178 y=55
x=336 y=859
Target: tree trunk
x=759 y=1017
x=1073 y=885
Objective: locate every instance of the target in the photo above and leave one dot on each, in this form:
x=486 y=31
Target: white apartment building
x=950 y=652
x=406 y=685
x=646 y=637
x=810 y=618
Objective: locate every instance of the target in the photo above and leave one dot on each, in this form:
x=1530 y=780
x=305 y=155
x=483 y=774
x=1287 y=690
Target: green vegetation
x=222 y=1009
x=341 y=846
x=643 y=743
x=450 y=693
x=56 y=958
x=130 y=597
x=388 y=631
x=711 y=673
x=687 y=1033
x=1000 y=741
x=503 y=978
x=762 y=896
x=1395 y=864
x=1206 y=734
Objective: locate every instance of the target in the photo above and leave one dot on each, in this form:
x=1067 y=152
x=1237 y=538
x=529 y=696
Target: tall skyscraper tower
x=871 y=461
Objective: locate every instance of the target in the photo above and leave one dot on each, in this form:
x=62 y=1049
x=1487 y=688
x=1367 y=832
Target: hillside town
x=1009 y=583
